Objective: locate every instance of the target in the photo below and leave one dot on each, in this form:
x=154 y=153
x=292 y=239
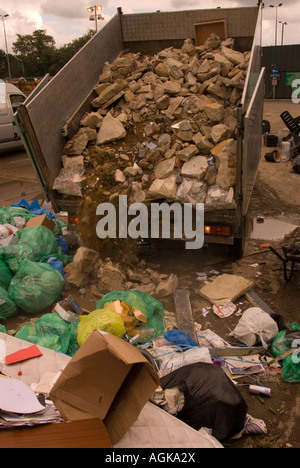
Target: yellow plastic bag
x=105 y=320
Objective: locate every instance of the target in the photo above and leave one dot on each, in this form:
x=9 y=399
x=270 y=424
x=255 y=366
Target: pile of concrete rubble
x=89 y=269
x=161 y=127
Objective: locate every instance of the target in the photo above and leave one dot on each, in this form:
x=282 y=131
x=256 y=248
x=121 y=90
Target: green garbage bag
x=73 y=346
x=41 y=240
x=147 y=304
x=284 y=342
x=59 y=225
x=5 y=275
x=8 y=307
x=7 y=214
x=64 y=258
x=12 y=255
x=35 y=286
x=49 y=331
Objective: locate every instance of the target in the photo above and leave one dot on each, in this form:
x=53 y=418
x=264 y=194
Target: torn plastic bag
x=211 y=399
x=56 y=264
x=35 y=210
x=105 y=320
x=143 y=302
x=12 y=255
x=41 y=240
x=35 y=286
x=5 y=275
x=179 y=338
x=7 y=214
x=255 y=326
x=283 y=342
x=49 y=331
x=169 y=358
x=8 y=307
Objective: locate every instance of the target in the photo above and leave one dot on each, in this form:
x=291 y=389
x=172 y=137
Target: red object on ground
x=23 y=354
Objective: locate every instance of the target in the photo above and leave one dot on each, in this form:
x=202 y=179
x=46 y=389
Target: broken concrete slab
x=164 y=168
x=111 y=278
x=76 y=145
x=85 y=259
x=163 y=188
x=111 y=129
x=185 y=154
x=225 y=288
x=167 y=287
x=195 y=168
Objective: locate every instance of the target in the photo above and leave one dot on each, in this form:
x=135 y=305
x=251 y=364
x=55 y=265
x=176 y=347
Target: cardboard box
x=107 y=378
x=41 y=220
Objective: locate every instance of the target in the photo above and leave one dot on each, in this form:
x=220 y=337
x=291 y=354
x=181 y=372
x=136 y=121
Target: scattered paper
x=17 y=397
x=224 y=311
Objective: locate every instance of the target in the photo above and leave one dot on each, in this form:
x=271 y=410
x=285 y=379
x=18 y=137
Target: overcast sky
x=66 y=20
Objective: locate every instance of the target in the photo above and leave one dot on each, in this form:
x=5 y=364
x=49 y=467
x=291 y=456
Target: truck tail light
x=217 y=230
x=72 y=219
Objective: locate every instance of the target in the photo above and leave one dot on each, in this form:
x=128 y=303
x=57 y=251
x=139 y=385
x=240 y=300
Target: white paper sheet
x=17 y=397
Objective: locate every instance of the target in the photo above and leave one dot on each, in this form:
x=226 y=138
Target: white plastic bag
x=254 y=326
x=170 y=358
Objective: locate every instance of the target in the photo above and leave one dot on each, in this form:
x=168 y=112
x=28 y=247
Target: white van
x=10 y=99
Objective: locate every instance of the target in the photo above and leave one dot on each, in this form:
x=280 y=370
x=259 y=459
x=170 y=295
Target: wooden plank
x=184 y=314
x=88 y=433
x=237 y=351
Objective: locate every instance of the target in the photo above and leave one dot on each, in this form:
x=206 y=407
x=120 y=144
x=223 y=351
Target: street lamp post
x=96 y=9
x=7 y=56
x=276 y=8
x=284 y=23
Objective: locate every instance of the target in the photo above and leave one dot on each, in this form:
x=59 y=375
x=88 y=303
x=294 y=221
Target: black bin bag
x=211 y=399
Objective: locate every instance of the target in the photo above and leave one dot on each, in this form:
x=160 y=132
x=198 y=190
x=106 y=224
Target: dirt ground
x=276 y=199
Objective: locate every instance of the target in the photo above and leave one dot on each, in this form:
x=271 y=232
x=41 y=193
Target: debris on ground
x=128 y=307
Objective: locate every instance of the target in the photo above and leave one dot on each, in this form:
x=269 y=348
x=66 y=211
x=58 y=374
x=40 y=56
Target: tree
x=33 y=44
x=36 y=54
x=36 y=50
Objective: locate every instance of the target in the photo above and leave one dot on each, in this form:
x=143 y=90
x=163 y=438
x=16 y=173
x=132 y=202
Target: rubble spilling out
x=160 y=127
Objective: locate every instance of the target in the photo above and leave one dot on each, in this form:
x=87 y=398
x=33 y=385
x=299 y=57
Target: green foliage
x=36 y=54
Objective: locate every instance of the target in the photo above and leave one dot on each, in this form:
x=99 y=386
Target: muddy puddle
x=268 y=229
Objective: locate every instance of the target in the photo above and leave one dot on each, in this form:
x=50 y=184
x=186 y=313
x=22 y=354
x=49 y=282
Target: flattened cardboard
x=107 y=378
x=41 y=220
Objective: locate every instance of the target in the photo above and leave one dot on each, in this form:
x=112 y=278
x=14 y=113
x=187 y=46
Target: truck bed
x=67 y=96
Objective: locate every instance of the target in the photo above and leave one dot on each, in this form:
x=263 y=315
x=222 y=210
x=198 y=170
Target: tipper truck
x=51 y=115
